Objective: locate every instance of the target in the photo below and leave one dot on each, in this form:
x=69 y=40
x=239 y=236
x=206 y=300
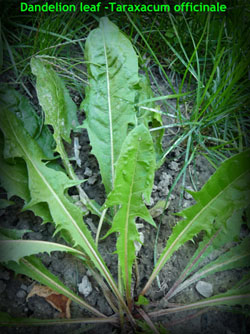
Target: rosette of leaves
x=127 y=154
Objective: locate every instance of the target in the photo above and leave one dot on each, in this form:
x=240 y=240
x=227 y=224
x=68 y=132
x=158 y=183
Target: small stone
x=163 y=185
x=69 y=275
x=91 y=225
x=2 y=286
x=21 y=294
x=174 y=166
x=92 y=179
x=186 y=194
x=177 y=153
x=24 y=287
x=186 y=204
x=151 y=201
x=46 y=258
x=85 y=286
x=138 y=244
x=154 y=189
x=75 y=197
x=205 y=289
x=88 y=172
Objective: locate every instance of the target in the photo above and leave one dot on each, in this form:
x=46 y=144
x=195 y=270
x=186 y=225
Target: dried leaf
x=60 y=302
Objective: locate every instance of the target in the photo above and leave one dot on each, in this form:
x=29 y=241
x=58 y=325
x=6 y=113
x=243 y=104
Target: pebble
x=163 y=185
x=186 y=194
x=21 y=294
x=69 y=275
x=88 y=171
x=85 y=286
x=92 y=179
x=91 y=225
x=186 y=204
x=174 y=166
x=46 y=258
x=24 y=287
x=205 y=289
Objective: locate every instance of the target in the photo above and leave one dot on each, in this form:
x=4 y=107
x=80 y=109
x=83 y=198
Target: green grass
x=207 y=55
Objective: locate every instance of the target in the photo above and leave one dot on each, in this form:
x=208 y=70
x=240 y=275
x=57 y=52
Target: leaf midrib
x=103 y=269
x=127 y=215
x=110 y=113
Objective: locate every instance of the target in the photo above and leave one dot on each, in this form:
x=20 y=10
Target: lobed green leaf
x=134 y=179
x=14 y=179
x=109 y=103
x=20 y=105
x=60 y=111
x=49 y=186
x=7 y=233
x=61 y=114
x=14 y=250
x=14 y=254
x=222 y=235
x=226 y=191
